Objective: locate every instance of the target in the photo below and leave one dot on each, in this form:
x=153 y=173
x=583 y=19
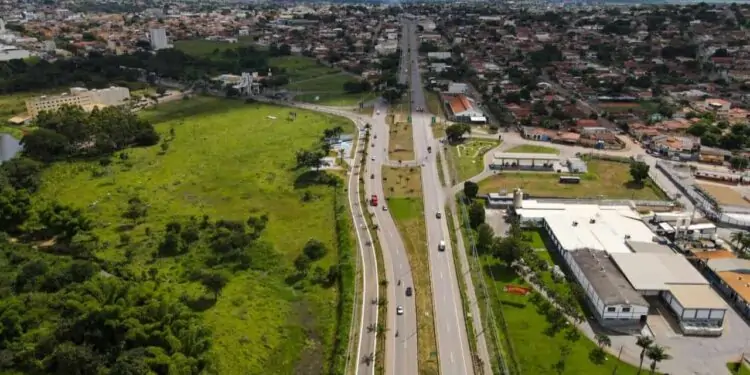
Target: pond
x=9 y=147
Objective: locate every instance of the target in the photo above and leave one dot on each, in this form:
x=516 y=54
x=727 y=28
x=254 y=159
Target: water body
x=9 y=147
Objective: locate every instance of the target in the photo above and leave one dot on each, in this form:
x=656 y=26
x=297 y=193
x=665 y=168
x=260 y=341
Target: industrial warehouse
x=622 y=265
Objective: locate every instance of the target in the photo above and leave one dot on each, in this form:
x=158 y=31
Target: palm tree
x=644 y=342
x=656 y=354
x=740 y=240
x=603 y=340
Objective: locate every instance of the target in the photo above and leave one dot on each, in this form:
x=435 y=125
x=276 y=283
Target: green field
x=468 y=157
x=330 y=83
x=744 y=369
x=298 y=68
x=202 y=47
x=227 y=160
x=534 y=351
x=339 y=99
x=607 y=179
x=534 y=149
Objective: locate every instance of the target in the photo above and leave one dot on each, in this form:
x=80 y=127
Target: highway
x=453 y=346
x=401 y=351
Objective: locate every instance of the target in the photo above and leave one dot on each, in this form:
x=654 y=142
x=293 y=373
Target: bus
x=570 y=180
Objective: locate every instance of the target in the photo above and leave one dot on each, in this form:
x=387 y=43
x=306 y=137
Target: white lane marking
x=456 y=314
x=441 y=275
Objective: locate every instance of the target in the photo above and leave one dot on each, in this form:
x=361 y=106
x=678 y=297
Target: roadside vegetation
x=468 y=157
x=403 y=191
x=186 y=209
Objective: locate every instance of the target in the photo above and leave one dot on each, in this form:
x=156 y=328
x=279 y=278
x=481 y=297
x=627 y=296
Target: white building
x=612 y=254
x=458 y=88
x=464 y=109
x=439 y=55
x=78 y=96
x=12 y=53
x=386 y=47
x=158 y=39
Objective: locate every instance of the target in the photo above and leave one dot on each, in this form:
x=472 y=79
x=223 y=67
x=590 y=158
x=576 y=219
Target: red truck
x=374 y=200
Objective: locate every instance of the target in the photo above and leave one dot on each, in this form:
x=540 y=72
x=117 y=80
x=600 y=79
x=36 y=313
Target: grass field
x=202 y=47
x=330 y=83
x=468 y=157
x=227 y=160
x=535 y=351
x=744 y=369
x=605 y=178
x=400 y=142
x=403 y=190
x=337 y=99
x=300 y=67
x=433 y=103
x=534 y=149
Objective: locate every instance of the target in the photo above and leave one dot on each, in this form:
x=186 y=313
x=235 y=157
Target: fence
x=708 y=207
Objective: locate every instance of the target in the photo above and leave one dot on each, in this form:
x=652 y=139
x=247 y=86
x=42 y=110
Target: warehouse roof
x=691 y=296
x=654 y=271
x=608 y=282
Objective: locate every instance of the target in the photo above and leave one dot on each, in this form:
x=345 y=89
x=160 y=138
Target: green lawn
x=468 y=157
x=534 y=149
x=337 y=99
x=607 y=179
x=202 y=47
x=330 y=83
x=534 y=350
x=300 y=67
x=227 y=160
x=744 y=369
x=433 y=103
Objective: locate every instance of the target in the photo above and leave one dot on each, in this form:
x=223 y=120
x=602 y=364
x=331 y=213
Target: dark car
x=408 y=292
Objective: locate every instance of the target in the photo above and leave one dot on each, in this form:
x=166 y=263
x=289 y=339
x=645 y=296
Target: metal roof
x=651 y=271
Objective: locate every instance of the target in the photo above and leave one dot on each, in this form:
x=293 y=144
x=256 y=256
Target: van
x=441 y=245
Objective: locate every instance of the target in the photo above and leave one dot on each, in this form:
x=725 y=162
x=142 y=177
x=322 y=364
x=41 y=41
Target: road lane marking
x=441 y=275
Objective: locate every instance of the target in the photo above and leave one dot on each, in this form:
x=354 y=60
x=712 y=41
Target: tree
x=44 y=145
x=15 y=206
x=639 y=171
x=136 y=209
x=22 y=173
x=476 y=214
x=559 y=366
x=309 y=159
x=485 y=238
x=644 y=342
x=314 y=249
x=455 y=132
x=739 y=162
x=302 y=263
x=161 y=91
x=215 y=282
x=740 y=240
x=64 y=221
x=471 y=189
x=509 y=249
x=656 y=354
x=603 y=340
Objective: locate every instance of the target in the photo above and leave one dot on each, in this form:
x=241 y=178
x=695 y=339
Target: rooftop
x=654 y=271
x=692 y=296
x=608 y=282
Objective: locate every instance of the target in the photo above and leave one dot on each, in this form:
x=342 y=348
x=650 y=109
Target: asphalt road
x=401 y=350
x=453 y=347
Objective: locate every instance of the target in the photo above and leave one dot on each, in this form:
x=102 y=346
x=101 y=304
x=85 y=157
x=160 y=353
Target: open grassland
x=433 y=103
x=338 y=99
x=536 y=352
x=205 y=48
x=403 y=190
x=227 y=160
x=330 y=83
x=300 y=67
x=534 y=149
x=468 y=157
x=607 y=179
x=400 y=142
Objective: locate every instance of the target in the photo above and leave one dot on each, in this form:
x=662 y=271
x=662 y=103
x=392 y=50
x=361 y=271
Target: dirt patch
x=725 y=195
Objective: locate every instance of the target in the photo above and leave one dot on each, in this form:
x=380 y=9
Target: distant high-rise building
x=158 y=39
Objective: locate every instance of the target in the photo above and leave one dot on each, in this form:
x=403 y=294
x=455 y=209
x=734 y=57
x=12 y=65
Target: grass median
x=403 y=189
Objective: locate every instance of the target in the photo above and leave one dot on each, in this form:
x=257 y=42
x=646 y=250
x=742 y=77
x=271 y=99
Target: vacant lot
x=205 y=48
x=468 y=157
x=403 y=190
x=300 y=67
x=227 y=160
x=534 y=149
x=534 y=351
x=433 y=103
x=400 y=142
x=330 y=83
x=620 y=107
x=725 y=195
x=607 y=179
x=337 y=99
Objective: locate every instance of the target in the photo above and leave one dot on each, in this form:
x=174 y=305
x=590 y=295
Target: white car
x=385 y=208
x=441 y=245
x=377 y=112
x=372 y=158
x=400 y=310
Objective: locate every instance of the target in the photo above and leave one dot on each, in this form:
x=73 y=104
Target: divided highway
x=453 y=346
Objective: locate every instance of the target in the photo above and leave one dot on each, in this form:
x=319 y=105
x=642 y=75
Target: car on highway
x=372 y=158
x=441 y=245
x=372 y=176
x=400 y=310
x=438 y=215
x=408 y=291
x=377 y=113
x=385 y=208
